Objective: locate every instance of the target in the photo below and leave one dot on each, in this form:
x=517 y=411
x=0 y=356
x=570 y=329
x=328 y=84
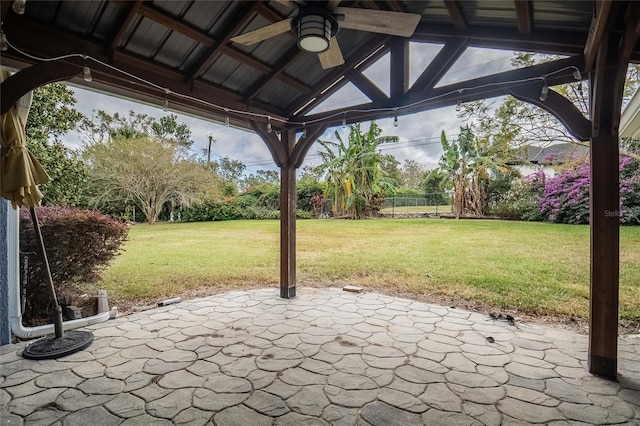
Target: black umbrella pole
x=57 y=309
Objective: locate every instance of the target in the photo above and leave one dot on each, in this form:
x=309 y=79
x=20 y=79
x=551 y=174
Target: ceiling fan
x=317 y=23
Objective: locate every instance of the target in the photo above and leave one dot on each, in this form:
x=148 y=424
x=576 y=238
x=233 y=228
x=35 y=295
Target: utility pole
x=209 y=150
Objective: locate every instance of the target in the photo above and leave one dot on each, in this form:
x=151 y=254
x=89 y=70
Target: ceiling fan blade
x=263 y=33
x=331 y=57
x=333 y=3
x=378 y=21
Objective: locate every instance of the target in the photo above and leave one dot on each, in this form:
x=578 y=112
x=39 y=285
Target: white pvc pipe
x=13 y=281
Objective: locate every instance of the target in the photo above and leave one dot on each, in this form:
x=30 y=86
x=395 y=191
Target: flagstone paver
x=325 y=357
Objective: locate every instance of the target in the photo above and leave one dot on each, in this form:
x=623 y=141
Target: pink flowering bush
x=565 y=198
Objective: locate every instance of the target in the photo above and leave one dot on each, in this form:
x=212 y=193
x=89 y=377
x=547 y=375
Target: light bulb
x=577 y=75
x=395 y=121
x=269 y=127
x=86 y=74
x=4 y=45
x=544 y=93
x=304 y=133
x=18 y=6
x=459 y=105
x=165 y=105
x=344 y=122
x=226 y=121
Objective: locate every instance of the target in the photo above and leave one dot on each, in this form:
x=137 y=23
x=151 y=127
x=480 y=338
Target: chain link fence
x=432 y=204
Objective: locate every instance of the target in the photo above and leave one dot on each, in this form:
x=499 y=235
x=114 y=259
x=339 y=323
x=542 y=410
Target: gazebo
x=255 y=65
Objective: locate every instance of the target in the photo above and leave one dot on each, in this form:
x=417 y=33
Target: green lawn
x=536 y=268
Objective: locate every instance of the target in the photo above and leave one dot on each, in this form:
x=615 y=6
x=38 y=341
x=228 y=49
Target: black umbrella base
x=52 y=347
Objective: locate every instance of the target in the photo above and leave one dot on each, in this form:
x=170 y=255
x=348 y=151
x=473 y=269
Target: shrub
x=79 y=244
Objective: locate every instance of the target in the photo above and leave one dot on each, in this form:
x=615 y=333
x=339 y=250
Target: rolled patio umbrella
x=20 y=175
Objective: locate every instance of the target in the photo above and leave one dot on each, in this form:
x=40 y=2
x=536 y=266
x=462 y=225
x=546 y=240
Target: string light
x=226 y=118
x=344 y=120
x=304 y=132
x=459 y=105
x=269 y=127
x=287 y=120
x=3 y=42
x=165 y=105
x=577 y=75
x=86 y=74
x=544 y=92
x=19 y=6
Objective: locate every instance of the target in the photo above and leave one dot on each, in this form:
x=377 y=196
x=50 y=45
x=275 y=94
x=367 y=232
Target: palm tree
x=352 y=170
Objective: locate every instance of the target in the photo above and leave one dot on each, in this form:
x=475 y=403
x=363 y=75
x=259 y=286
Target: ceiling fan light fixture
x=314 y=28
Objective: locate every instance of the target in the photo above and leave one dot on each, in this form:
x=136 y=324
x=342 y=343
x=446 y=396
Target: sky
x=419 y=134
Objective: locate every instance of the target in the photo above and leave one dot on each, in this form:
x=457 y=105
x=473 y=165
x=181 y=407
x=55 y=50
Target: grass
x=535 y=268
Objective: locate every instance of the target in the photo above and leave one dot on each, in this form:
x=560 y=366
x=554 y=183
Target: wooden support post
x=288 y=221
x=606 y=88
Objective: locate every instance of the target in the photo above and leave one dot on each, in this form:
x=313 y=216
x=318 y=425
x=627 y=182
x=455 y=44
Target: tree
x=52 y=115
x=467 y=162
x=102 y=127
x=434 y=185
x=146 y=171
x=519 y=124
x=353 y=172
x=412 y=173
x=390 y=166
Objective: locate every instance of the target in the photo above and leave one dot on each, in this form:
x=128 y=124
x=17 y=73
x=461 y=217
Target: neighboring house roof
x=555 y=154
x=630 y=120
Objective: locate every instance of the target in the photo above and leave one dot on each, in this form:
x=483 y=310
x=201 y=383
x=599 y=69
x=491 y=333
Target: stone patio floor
x=325 y=357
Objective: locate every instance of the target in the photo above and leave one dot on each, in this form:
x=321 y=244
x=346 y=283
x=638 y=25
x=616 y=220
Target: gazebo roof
x=186 y=48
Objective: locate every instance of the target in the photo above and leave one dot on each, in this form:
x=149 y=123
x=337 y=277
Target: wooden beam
x=276 y=70
x=4 y=9
x=631 y=32
x=33 y=77
x=558 y=106
x=562 y=42
x=524 y=12
x=440 y=65
x=118 y=36
x=596 y=32
x=324 y=87
x=470 y=90
x=399 y=72
x=455 y=11
x=607 y=87
x=304 y=144
x=366 y=86
x=274 y=144
x=288 y=221
x=235 y=25
x=173 y=23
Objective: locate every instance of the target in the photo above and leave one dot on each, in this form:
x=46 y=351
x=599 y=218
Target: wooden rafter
x=366 y=86
x=455 y=11
x=560 y=42
x=276 y=70
x=440 y=65
x=470 y=90
x=58 y=43
x=399 y=71
x=596 y=32
x=245 y=15
x=327 y=86
x=524 y=14
x=120 y=33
